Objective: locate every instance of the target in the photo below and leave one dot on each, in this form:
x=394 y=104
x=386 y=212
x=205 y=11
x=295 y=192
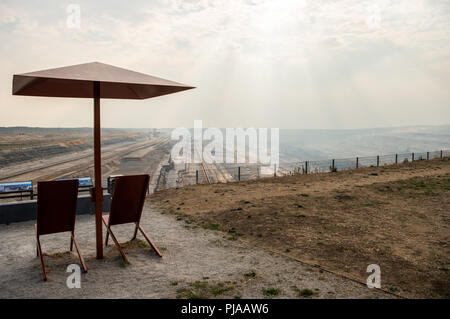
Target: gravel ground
x=196 y=262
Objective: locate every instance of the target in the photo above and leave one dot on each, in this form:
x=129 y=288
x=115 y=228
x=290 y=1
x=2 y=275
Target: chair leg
x=149 y=241
x=106 y=240
x=83 y=264
x=71 y=241
x=44 y=273
x=135 y=231
x=40 y=254
x=108 y=229
x=37 y=248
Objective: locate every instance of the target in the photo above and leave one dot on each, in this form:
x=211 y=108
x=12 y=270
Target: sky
x=255 y=63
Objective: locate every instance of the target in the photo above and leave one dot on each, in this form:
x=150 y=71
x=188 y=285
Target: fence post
x=396 y=158
x=306 y=167
x=274 y=170
x=239 y=173
x=257 y=171
x=378 y=160
x=196 y=177
x=412 y=157
x=441 y=154
x=332 y=164
x=357 y=162
x=428 y=156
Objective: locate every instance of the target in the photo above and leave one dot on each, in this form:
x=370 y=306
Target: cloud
x=288 y=63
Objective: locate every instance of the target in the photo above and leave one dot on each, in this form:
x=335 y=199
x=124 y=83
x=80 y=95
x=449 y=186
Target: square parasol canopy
x=94 y=80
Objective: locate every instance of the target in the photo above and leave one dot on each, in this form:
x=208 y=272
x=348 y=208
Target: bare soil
x=395 y=216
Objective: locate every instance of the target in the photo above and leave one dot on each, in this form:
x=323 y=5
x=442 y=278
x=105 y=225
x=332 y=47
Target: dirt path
x=196 y=263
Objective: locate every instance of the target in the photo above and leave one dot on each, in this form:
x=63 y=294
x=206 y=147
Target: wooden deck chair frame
x=127 y=202
x=56 y=213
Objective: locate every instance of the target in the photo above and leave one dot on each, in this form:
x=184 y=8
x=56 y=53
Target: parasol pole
x=98 y=172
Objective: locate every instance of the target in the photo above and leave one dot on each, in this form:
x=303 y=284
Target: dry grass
x=395 y=216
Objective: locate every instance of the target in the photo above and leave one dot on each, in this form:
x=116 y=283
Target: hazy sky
x=260 y=63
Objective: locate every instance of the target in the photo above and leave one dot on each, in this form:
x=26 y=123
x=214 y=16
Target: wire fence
x=242 y=172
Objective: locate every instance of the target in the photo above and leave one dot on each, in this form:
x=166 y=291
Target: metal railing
x=242 y=172
x=10 y=190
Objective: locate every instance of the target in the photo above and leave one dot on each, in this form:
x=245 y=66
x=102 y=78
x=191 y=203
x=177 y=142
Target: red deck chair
x=56 y=212
x=126 y=207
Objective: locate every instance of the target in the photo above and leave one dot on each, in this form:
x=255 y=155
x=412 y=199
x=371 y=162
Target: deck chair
x=56 y=212
x=126 y=207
